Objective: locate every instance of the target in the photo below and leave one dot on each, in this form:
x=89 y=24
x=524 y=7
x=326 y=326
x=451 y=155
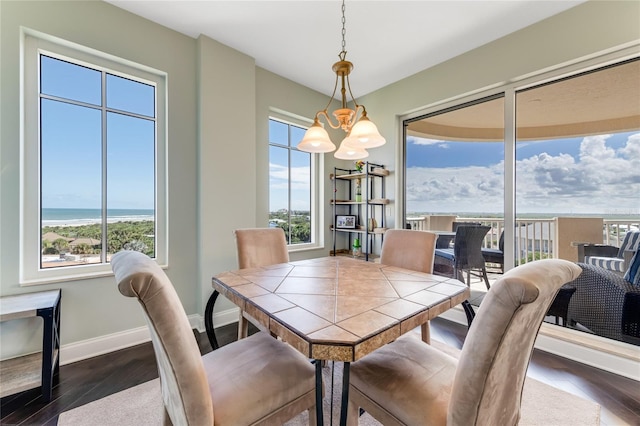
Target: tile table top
x=339 y=308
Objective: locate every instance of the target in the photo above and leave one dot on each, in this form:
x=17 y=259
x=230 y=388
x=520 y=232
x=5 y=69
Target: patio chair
x=606 y=303
x=612 y=258
x=255 y=381
x=446 y=241
x=466 y=254
x=495 y=256
x=455 y=225
x=409 y=383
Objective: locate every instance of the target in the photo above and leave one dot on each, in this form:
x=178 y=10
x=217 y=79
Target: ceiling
x=386 y=40
x=598 y=102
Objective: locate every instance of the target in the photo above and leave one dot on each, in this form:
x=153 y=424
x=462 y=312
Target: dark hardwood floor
x=95 y=378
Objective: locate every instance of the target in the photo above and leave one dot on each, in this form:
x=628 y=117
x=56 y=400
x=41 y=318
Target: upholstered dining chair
x=408 y=249
x=261 y=247
x=412 y=250
x=258 y=247
x=255 y=381
x=410 y=383
x=466 y=254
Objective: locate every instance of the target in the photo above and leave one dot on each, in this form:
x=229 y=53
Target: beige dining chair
x=256 y=381
x=412 y=250
x=410 y=383
x=258 y=247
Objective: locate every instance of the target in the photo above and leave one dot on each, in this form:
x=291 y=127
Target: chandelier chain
x=344 y=31
x=361 y=132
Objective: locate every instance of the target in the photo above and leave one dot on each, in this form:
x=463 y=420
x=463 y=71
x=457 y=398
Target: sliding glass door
x=455 y=175
x=578 y=181
x=570 y=174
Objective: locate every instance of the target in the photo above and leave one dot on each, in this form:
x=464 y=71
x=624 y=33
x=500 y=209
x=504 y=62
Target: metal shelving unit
x=369 y=211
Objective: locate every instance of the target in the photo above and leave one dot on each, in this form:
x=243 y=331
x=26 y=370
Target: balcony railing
x=534 y=238
x=615 y=230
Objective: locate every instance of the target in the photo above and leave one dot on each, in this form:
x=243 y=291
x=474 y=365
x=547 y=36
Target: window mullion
x=289 y=184
x=104 y=242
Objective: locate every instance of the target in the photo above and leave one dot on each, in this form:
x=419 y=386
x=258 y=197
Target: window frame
x=34 y=44
x=508 y=90
x=316 y=187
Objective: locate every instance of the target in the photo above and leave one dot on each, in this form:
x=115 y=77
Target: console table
x=30 y=371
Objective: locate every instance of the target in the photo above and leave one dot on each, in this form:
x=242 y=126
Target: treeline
x=300 y=225
x=128 y=235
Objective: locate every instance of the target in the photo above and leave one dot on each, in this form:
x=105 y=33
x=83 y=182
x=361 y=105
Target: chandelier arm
x=333 y=95
x=327 y=119
x=356 y=105
x=324 y=111
x=358 y=109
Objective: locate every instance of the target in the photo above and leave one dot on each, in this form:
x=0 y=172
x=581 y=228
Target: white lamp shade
x=349 y=152
x=365 y=134
x=316 y=139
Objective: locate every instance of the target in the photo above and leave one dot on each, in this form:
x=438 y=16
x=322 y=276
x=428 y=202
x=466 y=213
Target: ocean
x=61 y=217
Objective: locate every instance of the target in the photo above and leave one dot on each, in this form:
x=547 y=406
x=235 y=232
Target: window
x=456 y=170
x=292 y=181
x=93 y=161
x=570 y=159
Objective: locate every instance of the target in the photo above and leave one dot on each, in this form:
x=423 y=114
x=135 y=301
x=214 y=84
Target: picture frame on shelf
x=346 y=221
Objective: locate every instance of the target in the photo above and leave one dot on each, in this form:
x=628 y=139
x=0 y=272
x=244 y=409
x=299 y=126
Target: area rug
x=141 y=405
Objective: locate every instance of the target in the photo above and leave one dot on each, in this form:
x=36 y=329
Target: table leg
x=208 y=320
x=469 y=312
x=243 y=326
x=426 y=333
x=345 y=394
x=319 y=407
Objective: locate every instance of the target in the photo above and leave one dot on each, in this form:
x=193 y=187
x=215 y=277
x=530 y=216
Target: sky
x=71 y=139
x=281 y=137
x=590 y=175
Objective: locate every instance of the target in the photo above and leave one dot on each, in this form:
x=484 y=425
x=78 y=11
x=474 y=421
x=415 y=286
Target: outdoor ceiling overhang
x=606 y=101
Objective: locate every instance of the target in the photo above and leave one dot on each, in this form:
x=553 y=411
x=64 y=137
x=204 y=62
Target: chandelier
x=361 y=132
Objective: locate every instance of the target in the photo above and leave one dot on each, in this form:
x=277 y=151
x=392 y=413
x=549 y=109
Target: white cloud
x=425 y=141
x=278 y=184
x=631 y=151
x=601 y=179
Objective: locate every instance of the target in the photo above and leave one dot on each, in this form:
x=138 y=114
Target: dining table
x=336 y=308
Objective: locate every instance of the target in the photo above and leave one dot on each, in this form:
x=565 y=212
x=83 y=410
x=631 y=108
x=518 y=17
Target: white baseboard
x=612 y=356
x=89 y=348
x=219 y=319
x=606 y=354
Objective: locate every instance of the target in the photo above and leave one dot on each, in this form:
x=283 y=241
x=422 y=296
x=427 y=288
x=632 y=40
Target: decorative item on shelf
x=359 y=166
x=373 y=224
x=358 y=190
x=361 y=132
x=357 y=248
x=345 y=221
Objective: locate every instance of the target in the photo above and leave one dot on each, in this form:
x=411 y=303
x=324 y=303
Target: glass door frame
x=509 y=91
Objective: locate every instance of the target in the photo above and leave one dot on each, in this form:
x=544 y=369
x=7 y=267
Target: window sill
x=304 y=247
x=61 y=278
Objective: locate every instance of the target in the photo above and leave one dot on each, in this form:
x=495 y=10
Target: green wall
x=218 y=108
